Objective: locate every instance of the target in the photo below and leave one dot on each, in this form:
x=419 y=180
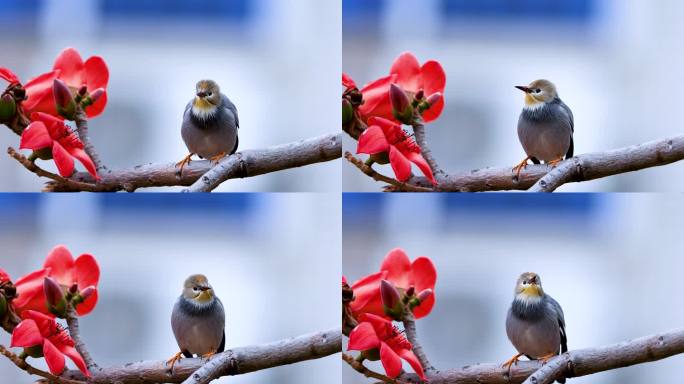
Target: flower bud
x=90 y=99
x=401 y=105
x=424 y=294
x=347 y=112
x=411 y=291
x=56 y=302
x=8 y=107
x=73 y=289
x=430 y=101
x=86 y=293
x=64 y=101
x=391 y=300
x=82 y=91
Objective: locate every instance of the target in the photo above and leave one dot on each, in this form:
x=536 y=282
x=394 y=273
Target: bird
x=545 y=127
x=535 y=324
x=210 y=124
x=198 y=320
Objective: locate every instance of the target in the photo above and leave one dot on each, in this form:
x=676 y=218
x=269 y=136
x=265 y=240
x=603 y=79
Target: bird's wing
x=222 y=346
x=231 y=107
x=571 y=119
x=561 y=323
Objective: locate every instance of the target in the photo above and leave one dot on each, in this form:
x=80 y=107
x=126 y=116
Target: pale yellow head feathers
x=207 y=98
x=529 y=286
x=197 y=288
x=538 y=92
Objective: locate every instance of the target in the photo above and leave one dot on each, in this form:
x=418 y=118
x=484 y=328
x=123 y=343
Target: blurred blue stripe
x=569 y=10
x=506 y=204
x=233 y=204
x=217 y=9
x=18 y=209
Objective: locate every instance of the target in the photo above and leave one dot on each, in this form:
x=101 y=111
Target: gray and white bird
x=198 y=320
x=210 y=124
x=546 y=125
x=535 y=324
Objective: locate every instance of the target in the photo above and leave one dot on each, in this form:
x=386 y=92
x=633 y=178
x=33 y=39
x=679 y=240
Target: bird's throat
x=203 y=109
x=532 y=103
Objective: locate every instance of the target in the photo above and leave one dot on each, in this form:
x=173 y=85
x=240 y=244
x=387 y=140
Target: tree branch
x=369 y=171
x=75 y=333
x=421 y=140
x=409 y=322
x=23 y=365
x=82 y=128
x=589 y=166
x=254 y=162
x=575 y=363
x=247 y=163
x=236 y=361
x=360 y=368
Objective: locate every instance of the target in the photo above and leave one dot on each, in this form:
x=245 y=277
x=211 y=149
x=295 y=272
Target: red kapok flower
x=38 y=329
x=70 y=68
x=375 y=332
x=38 y=88
x=9 y=76
x=397 y=269
x=47 y=131
x=4 y=276
x=384 y=135
x=412 y=78
x=83 y=272
x=348 y=82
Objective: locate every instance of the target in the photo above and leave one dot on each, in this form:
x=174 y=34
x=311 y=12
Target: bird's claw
x=512 y=361
x=217 y=158
x=207 y=356
x=554 y=163
x=518 y=168
x=172 y=361
x=186 y=160
x=545 y=359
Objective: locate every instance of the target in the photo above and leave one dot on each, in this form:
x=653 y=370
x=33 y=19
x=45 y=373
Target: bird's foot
x=172 y=361
x=208 y=356
x=217 y=158
x=186 y=160
x=545 y=359
x=554 y=163
x=518 y=168
x=512 y=361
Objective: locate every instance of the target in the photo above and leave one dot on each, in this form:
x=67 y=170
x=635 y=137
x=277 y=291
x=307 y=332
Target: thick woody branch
x=421 y=140
x=255 y=162
x=575 y=363
x=22 y=364
x=75 y=333
x=589 y=166
x=236 y=361
x=360 y=368
x=370 y=172
x=243 y=164
x=409 y=322
x=82 y=128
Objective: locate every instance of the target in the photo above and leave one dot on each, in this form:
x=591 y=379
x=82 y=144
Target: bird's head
x=538 y=93
x=207 y=98
x=198 y=290
x=529 y=287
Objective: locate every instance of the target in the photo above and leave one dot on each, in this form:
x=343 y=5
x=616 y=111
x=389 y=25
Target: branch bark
x=75 y=333
x=254 y=162
x=31 y=370
x=589 y=166
x=421 y=140
x=236 y=361
x=409 y=322
x=575 y=363
x=247 y=163
x=82 y=128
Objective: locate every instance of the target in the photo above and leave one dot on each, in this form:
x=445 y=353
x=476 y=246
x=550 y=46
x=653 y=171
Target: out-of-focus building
x=252 y=247
x=612 y=261
x=617 y=64
x=279 y=62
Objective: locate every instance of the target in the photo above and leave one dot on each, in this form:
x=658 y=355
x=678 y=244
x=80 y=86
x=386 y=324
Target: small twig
x=359 y=367
x=31 y=166
x=412 y=335
x=369 y=171
x=23 y=365
x=75 y=333
x=82 y=128
x=421 y=140
x=249 y=163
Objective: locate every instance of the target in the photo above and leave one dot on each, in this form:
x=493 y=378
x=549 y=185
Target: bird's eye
x=195 y=289
x=209 y=93
x=524 y=282
x=537 y=90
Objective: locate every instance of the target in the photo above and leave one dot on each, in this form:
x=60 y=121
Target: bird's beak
x=206 y=288
x=201 y=94
x=524 y=88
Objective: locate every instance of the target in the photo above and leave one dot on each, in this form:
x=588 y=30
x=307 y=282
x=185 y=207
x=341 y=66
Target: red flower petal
x=98 y=107
x=76 y=357
x=407 y=69
x=96 y=73
x=419 y=160
x=71 y=65
x=376 y=100
x=48 y=119
x=87 y=271
x=53 y=357
x=363 y=337
x=30 y=293
x=433 y=77
x=347 y=81
x=372 y=141
x=63 y=160
x=41 y=319
x=390 y=360
x=409 y=356
x=398 y=267
x=424 y=276
x=9 y=76
x=89 y=304
x=87 y=162
x=39 y=94
x=4 y=276
x=434 y=111
x=61 y=265
x=366 y=289
x=400 y=164
x=35 y=136
x=26 y=334
x=378 y=322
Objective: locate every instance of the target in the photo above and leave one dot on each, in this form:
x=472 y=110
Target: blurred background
x=612 y=261
x=252 y=247
x=616 y=63
x=278 y=61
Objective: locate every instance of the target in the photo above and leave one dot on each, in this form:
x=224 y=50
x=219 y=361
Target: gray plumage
x=535 y=325
x=546 y=128
x=212 y=131
x=199 y=327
